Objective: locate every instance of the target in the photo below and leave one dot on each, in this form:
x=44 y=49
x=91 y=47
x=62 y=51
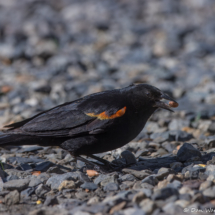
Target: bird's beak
x=161 y=104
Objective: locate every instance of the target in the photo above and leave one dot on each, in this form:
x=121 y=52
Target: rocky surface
x=55 y=51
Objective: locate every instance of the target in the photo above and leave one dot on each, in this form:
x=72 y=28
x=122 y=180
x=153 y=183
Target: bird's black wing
x=91 y=114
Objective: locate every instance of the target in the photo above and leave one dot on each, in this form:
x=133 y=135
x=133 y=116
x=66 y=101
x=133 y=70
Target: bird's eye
x=148 y=93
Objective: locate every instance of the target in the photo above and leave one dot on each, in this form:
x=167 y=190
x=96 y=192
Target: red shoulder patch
x=103 y=115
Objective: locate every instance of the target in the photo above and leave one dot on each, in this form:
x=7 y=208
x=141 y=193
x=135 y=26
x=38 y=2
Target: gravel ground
x=55 y=51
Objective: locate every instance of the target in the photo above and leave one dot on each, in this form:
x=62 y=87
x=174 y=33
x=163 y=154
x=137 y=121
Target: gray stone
x=152 y=127
x=41 y=190
x=185 y=196
x=197 y=97
x=187 y=151
x=50 y=201
x=175 y=165
x=1 y=185
x=178 y=124
x=96 y=208
x=206 y=184
x=105 y=179
x=25 y=194
x=212 y=161
x=169 y=146
x=138 y=212
x=81 y=213
x=100 y=178
x=147 y=190
x=82 y=195
x=129 y=157
x=80 y=164
x=150 y=180
x=68 y=193
x=198 y=197
x=67 y=185
x=89 y=186
x=210 y=170
x=18 y=173
x=212 y=127
x=142 y=152
x=164 y=193
x=83 y=177
x=138 y=197
x=138 y=174
x=160 y=137
x=55 y=181
x=210 y=141
x=179 y=135
x=93 y=200
x=34 y=182
x=121 y=195
x=49 y=211
x=127 y=177
x=43 y=177
x=192 y=172
x=127 y=185
x=148 y=206
x=19 y=185
x=129 y=211
x=175 y=184
x=111 y=187
x=164 y=172
x=20 y=160
x=12 y=177
x=12 y=198
x=210 y=192
x=171 y=208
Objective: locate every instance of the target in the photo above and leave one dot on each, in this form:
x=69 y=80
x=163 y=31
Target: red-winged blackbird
x=96 y=123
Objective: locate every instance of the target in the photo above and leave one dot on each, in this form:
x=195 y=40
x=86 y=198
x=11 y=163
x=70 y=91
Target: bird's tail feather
x=17 y=139
x=7 y=139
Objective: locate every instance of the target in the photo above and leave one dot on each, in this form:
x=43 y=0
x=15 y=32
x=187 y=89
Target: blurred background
x=53 y=51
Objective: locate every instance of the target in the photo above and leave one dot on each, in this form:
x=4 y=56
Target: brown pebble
x=36 y=173
x=92 y=173
x=117 y=207
x=5 y=89
x=173 y=104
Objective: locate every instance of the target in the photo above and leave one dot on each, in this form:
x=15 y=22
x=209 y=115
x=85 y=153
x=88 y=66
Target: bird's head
x=149 y=96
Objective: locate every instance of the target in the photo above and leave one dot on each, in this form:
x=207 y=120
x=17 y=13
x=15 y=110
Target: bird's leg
x=105 y=162
x=85 y=160
x=106 y=168
x=96 y=167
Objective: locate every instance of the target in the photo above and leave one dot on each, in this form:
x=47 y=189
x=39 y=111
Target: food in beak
x=172 y=103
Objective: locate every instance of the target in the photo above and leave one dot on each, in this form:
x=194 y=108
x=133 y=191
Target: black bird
x=93 y=124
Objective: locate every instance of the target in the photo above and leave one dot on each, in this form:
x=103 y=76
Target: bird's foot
x=104 y=169
x=115 y=167
x=94 y=166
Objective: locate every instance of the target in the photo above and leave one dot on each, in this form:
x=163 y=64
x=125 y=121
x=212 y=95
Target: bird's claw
x=104 y=169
